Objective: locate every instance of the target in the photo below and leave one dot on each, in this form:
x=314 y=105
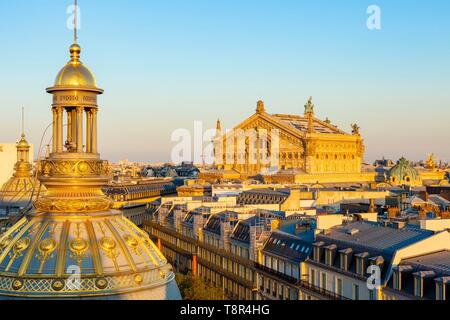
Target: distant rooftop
x=439 y=262
x=288 y=246
x=374 y=236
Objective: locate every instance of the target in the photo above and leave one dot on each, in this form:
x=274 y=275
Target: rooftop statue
x=355 y=129
x=430 y=162
x=309 y=106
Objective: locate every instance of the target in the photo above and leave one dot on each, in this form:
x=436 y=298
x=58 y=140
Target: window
x=317 y=254
x=355 y=292
x=343 y=262
x=338 y=287
x=313 y=277
x=360 y=265
x=440 y=291
x=329 y=257
x=289 y=269
x=396 y=279
x=418 y=286
x=323 y=281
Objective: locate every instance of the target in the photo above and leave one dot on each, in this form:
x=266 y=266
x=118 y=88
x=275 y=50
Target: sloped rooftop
x=374 y=236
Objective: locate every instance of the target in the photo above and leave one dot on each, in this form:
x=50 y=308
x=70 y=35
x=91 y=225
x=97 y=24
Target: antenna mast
x=23 y=122
x=75 y=36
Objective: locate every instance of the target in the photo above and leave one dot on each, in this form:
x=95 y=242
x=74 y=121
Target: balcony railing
x=302 y=284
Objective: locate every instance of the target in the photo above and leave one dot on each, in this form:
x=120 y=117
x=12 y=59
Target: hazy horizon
x=164 y=65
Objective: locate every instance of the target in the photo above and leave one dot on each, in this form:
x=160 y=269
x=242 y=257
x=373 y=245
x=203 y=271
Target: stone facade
x=267 y=144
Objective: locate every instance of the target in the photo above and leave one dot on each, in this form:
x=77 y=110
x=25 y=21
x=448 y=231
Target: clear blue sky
x=166 y=63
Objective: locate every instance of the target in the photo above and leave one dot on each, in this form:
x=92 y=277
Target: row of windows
x=212 y=241
x=281 y=266
x=258 y=198
x=227 y=264
x=230 y=288
x=335 y=284
x=136 y=195
x=440 y=287
x=345 y=259
x=186 y=246
x=336 y=157
x=240 y=251
x=276 y=290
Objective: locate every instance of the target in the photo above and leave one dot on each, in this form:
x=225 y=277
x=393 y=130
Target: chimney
x=225 y=232
x=398 y=225
x=372 y=206
x=275 y=224
x=393 y=213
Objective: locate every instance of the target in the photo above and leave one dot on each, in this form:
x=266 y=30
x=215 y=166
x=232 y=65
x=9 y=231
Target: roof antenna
x=23 y=122
x=75 y=36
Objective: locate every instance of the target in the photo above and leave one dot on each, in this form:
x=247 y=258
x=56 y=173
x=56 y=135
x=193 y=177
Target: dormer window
x=343 y=261
x=329 y=255
x=397 y=280
x=361 y=263
x=418 y=286
x=398 y=274
x=344 y=258
x=317 y=251
x=441 y=288
x=317 y=254
x=419 y=282
x=377 y=261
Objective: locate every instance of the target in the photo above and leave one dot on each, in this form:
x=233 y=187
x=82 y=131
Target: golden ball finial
x=75 y=51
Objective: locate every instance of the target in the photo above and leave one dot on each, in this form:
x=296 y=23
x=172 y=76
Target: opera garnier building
x=288 y=148
x=72 y=245
x=299 y=149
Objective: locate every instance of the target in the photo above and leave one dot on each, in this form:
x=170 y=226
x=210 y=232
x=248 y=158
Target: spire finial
x=75 y=49
x=218 y=125
x=23 y=122
x=75 y=24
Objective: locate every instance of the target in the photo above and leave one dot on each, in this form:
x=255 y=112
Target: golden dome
x=23 y=143
x=17 y=192
x=110 y=255
x=75 y=73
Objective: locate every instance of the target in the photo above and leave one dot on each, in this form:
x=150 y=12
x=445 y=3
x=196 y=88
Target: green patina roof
x=403 y=169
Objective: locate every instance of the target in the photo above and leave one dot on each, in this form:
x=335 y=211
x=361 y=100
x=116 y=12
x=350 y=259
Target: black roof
x=288 y=246
x=242 y=230
x=140 y=187
x=371 y=240
x=215 y=221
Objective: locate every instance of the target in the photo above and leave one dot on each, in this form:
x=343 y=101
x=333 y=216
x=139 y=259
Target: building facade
x=300 y=144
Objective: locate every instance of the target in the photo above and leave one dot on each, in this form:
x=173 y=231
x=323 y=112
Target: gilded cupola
x=73 y=245
x=75 y=74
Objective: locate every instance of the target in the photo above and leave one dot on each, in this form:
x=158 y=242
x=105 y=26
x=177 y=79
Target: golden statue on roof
x=430 y=163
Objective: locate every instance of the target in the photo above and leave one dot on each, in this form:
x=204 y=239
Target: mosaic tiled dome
x=40 y=255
